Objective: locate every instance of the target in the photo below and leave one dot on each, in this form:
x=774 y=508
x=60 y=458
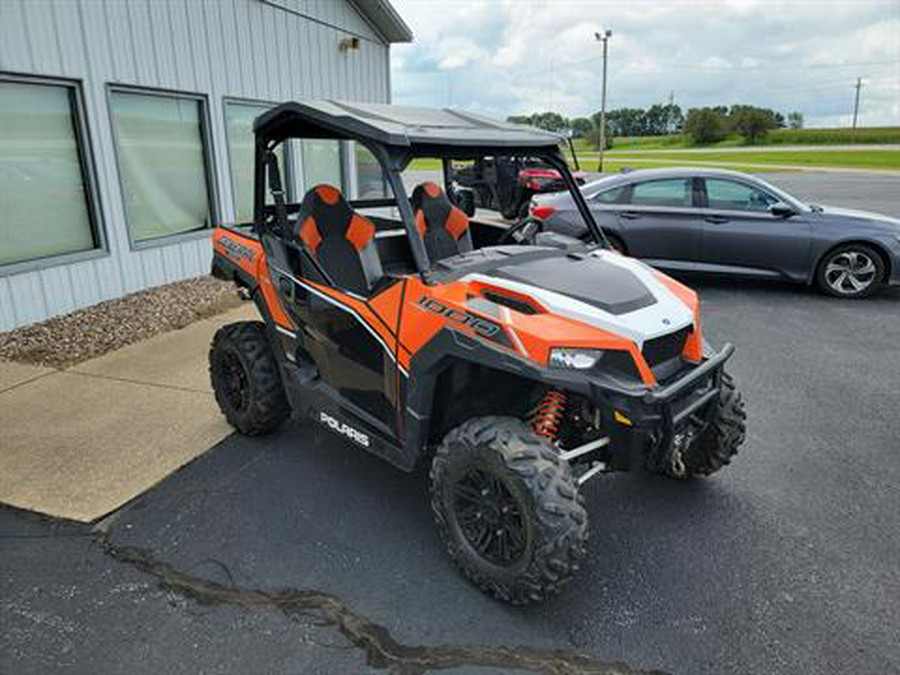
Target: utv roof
x=408 y=128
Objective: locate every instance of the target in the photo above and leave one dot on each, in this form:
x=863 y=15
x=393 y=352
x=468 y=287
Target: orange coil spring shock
x=547 y=417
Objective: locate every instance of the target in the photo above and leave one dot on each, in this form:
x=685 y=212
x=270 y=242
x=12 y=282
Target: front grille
x=621 y=363
x=665 y=347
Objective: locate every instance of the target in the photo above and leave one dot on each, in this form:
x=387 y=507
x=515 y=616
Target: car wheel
x=850 y=271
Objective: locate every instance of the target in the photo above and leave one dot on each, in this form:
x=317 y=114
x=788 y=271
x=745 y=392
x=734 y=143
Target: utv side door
x=658 y=220
x=739 y=231
x=347 y=338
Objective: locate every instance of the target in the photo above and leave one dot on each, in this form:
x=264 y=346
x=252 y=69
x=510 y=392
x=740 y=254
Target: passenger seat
x=444 y=228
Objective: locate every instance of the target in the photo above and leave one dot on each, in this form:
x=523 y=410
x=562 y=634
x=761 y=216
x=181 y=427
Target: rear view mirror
x=781 y=210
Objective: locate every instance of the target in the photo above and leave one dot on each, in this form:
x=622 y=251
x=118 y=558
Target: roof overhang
x=385 y=19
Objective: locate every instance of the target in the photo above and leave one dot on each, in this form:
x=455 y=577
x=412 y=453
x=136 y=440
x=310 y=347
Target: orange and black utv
x=519 y=363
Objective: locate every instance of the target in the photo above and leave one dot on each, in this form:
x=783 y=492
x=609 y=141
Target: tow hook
x=676 y=459
x=676 y=463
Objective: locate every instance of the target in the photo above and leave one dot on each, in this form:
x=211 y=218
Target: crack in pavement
x=381 y=649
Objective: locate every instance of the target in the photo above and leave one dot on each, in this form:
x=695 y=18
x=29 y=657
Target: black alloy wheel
x=490 y=517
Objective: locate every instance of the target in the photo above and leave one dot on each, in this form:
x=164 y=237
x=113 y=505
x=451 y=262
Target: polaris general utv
x=520 y=364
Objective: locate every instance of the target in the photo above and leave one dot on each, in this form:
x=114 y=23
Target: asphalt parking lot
x=298 y=553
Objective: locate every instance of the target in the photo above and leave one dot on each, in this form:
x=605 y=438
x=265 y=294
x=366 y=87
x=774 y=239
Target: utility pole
x=856 y=108
x=605 y=40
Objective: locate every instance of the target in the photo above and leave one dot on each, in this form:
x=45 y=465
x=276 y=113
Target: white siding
x=272 y=50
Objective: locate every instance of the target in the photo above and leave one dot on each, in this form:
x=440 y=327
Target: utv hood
x=601 y=288
x=586 y=278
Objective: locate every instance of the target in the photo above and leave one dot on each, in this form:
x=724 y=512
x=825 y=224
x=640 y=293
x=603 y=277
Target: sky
x=506 y=57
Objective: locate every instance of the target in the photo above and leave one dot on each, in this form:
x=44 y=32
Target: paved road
x=848 y=190
x=867 y=192
x=853 y=191
x=786 y=562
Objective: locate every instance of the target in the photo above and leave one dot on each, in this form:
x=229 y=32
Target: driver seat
x=340 y=240
x=444 y=228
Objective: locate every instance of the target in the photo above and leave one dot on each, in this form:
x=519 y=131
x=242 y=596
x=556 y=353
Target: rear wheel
x=507 y=509
x=850 y=271
x=245 y=378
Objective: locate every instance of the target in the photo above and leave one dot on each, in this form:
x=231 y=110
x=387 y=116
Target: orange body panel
x=530 y=335
x=247 y=253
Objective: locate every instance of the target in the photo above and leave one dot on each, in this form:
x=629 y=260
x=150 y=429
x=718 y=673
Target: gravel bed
x=85 y=333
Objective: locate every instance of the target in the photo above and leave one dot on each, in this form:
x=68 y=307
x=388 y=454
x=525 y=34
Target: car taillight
x=542 y=211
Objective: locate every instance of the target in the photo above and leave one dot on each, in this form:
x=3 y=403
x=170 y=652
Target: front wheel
x=850 y=271
x=721 y=439
x=507 y=509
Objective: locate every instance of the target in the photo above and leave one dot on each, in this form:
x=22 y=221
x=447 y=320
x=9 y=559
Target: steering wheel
x=523 y=232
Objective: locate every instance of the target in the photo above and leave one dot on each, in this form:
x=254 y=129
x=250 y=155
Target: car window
x=668 y=192
x=611 y=196
x=732 y=196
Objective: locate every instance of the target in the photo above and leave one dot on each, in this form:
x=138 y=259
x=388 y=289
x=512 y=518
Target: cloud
x=501 y=57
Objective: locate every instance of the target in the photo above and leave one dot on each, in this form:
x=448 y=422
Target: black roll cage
x=286 y=121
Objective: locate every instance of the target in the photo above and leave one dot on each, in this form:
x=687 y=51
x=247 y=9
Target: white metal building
x=125 y=130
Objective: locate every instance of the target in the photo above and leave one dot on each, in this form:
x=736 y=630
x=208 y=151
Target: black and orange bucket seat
x=340 y=240
x=444 y=228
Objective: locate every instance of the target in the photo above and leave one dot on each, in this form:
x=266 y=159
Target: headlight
x=574 y=359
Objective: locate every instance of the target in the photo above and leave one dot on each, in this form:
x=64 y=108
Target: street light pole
x=605 y=40
x=856 y=108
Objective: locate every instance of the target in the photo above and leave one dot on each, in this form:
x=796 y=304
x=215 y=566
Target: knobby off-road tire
x=722 y=438
x=537 y=491
x=246 y=379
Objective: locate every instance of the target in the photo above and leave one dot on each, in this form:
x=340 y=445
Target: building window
x=239 y=117
x=162 y=152
x=371 y=183
x=44 y=188
x=321 y=163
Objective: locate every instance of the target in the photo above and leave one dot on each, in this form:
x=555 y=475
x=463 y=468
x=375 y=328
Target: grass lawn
x=856 y=159
x=840 y=136
x=610 y=164
x=424 y=164
x=615 y=164
x=739 y=161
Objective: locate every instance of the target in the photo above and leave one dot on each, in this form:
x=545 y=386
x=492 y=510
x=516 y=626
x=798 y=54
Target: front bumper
x=645 y=426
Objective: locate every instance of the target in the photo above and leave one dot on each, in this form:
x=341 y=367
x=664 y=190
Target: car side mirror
x=781 y=210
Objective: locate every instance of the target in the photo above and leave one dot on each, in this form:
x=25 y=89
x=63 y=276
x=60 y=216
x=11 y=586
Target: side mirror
x=781 y=210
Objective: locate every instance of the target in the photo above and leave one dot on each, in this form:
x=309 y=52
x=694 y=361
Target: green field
x=753 y=162
x=853 y=159
x=615 y=164
x=841 y=136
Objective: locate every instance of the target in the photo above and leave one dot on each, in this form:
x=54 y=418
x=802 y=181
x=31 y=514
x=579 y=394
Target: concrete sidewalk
x=79 y=443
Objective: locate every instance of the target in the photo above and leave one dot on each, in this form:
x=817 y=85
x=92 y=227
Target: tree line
x=702 y=125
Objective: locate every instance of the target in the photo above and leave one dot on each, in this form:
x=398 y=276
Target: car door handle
x=716 y=219
x=630 y=215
